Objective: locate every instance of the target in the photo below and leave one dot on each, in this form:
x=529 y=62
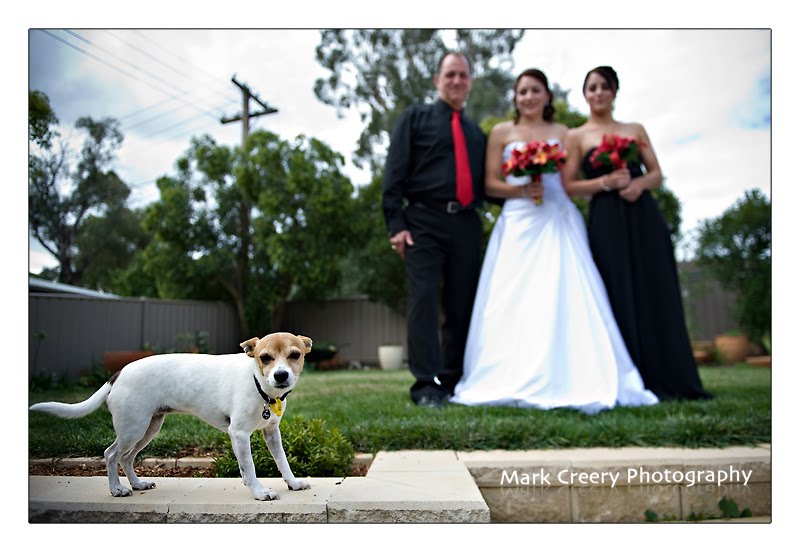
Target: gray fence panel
x=79 y=330
x=709 y=309
x=356 y=326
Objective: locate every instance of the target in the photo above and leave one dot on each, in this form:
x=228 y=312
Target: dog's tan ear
x=307 y=342
x=249 y=346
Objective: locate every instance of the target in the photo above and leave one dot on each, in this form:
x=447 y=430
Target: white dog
x=236 y=393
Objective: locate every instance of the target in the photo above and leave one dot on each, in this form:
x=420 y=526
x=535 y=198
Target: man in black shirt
x=436 y=164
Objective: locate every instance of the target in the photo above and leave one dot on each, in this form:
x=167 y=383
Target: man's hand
x=400 y=241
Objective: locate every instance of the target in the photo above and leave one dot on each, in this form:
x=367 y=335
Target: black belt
x=449 y=207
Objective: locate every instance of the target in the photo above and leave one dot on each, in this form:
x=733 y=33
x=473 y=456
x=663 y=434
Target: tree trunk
x=276 y=317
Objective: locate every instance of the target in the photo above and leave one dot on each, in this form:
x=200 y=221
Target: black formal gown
x=633 y=251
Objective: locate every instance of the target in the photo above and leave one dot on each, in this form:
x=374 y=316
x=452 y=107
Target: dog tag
x=277 y=407
x=265 y=414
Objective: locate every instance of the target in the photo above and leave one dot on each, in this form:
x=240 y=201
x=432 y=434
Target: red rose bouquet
x=534 y=159
x=615 y=151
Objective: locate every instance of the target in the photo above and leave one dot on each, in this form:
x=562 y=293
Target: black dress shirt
x=421 y=163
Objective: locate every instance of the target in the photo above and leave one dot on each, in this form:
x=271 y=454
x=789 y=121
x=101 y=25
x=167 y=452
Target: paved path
x=568 y=485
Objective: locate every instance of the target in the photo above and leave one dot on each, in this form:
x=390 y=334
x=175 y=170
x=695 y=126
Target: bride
x=542 y=333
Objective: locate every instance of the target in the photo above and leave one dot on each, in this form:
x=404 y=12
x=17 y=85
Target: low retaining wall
x=620 y=485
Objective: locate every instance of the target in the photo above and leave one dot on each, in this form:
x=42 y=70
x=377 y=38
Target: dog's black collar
x=267 y=398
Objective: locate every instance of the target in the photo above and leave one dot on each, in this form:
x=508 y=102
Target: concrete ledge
x=174 y=500
x=440 y=487
x=427 y=487
x=410 y=487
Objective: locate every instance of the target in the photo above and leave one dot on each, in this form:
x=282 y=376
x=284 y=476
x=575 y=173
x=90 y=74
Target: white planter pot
x=390 y=357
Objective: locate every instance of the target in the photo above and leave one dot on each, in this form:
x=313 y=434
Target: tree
x=106 y=246
x=257 y=226
x=40 y=119
x=736 y=248
x=374 y=269
x=74 y=208
x=381 y=72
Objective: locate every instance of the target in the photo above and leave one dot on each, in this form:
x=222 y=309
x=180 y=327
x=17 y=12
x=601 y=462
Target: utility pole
x=242 y=262
x=245 y=116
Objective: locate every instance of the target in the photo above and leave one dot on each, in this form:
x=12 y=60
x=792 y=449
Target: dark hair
x=549 y=110
x=607 y=73
x=460 y=54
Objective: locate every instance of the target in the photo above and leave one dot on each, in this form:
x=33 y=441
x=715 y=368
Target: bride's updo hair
x=607 y=73
x=549 y=110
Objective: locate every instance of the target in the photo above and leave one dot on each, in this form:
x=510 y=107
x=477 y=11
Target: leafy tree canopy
x=77 y=211
x=736 y=248
x=258 y=226
x=40 y=118
x=381 y=72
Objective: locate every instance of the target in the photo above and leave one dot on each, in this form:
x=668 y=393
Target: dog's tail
x=78 y=410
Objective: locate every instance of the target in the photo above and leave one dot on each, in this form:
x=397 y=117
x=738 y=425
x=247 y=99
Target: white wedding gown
x=542 y=332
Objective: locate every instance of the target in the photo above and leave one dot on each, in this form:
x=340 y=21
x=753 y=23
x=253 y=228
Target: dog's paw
x=143 y=485
x=265 y=494
x=121 y=491
x=298 y=484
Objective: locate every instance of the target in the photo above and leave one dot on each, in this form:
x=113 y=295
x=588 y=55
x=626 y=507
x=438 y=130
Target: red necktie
x=464 y=193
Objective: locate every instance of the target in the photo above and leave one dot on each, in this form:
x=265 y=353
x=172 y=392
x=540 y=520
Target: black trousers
x=446 y=255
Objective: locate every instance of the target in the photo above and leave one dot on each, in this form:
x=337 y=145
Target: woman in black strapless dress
x=631 y=246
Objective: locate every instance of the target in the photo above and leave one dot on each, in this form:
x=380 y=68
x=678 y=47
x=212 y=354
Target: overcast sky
x=703 y=96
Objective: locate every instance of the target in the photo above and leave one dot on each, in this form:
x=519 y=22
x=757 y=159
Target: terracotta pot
x=732 y=348
x=331 y=363
x=763 y=361
x=114 y=361
x=702 y=357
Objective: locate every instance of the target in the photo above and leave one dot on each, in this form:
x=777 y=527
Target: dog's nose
x=281 y=376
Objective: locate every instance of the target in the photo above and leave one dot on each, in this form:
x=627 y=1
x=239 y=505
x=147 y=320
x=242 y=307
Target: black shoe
x=433 y=401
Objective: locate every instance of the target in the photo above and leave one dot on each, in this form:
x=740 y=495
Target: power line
x=101 y=60
x=204 y=125
x=218 y=89
x=119 y=69
x=182 y=59
x=147 y=54
x=131 y=64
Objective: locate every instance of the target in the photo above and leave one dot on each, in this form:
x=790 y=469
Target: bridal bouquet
x=615 y=151
x=534 y=159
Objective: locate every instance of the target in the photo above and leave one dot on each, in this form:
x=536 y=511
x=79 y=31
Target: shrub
x=312 y=450
x=736 y=248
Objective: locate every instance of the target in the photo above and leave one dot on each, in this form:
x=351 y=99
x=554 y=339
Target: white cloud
x=688 y=87
x=691 y=89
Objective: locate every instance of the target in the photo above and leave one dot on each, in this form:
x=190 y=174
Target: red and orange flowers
x=615 y=151
x=534 y=159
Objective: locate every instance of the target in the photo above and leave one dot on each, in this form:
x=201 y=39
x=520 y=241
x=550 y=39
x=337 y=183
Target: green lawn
x=372 y=410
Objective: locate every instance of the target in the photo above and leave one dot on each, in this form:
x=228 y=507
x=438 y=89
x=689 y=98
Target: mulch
x=85 y=470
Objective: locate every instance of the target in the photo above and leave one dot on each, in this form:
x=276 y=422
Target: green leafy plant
x=94 y=377
x=731 y=510
x=652 y=517
x=45 y=381
x=312 y=449
x=728 y=508
x=192 y=342
x=736 y=248
x=766 y=341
